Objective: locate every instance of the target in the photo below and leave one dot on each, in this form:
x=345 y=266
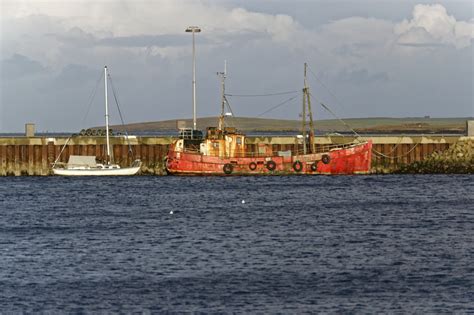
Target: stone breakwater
x=458 y=159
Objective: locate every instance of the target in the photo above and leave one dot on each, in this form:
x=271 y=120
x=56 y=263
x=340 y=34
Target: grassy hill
x=367 y=125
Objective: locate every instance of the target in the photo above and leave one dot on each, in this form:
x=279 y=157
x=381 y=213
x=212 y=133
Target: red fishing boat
x=223 y=151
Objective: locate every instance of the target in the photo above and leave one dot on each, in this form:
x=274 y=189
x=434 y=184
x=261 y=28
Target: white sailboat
x=79 y=165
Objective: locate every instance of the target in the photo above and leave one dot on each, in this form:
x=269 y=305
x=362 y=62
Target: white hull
x=97 y=171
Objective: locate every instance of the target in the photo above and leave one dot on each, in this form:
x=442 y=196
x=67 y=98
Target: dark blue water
x=297 y=245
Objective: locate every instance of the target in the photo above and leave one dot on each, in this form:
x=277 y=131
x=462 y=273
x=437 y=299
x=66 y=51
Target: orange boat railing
x=318 y=150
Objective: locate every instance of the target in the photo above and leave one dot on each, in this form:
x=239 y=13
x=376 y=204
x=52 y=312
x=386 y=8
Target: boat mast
x=108 y=158
x=223 y=76
x=303 y=123
x=311 y=125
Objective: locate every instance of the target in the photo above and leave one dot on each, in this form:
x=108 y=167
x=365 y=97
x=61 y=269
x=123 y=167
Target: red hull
x=355 y=159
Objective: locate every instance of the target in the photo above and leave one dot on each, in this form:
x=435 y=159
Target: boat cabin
x=227 y=142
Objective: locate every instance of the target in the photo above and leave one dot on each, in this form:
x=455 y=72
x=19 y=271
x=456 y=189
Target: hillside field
x=362 y=125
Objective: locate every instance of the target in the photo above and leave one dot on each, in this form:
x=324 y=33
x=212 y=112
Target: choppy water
x=297 y=245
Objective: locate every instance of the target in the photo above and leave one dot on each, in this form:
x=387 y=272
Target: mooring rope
x=396 y=145
x=394 y=157
x=375 y=152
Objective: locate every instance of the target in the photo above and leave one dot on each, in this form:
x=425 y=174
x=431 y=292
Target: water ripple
x=344 y=244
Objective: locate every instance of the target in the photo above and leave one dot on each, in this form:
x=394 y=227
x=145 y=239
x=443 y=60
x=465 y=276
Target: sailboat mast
x=106 y=116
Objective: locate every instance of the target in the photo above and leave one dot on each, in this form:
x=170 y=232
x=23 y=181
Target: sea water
x=301 y=244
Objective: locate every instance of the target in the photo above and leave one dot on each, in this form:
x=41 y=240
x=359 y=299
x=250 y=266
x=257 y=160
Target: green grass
x=376 y=124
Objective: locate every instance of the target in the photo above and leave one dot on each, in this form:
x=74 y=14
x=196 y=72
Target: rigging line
x=116 y=99
x=91 y=97
x=340 y=119
x=120 y=114
x=62 y=149
x=278 y=105
x=228 y=105
x=324 y=85
x=230 y=108
x=257 y=95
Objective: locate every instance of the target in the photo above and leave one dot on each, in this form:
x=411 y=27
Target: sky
x=366 y=58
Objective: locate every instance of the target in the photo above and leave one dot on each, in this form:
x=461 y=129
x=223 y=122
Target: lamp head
x=193 y=29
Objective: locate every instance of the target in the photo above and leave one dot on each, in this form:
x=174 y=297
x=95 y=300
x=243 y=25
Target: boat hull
x=97 y=172
x=354 y=159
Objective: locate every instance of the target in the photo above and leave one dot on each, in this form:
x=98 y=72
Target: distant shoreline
x=261 y=126
x=417 y=125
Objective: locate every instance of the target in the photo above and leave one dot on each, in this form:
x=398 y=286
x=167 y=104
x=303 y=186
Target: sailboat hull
x=97 y=172
x=354 y=159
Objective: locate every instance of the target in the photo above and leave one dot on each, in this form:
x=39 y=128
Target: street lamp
x=194 y=29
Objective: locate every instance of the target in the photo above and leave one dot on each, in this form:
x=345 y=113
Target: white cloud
x=128 y=18
x=431 y=25
x=85 y=20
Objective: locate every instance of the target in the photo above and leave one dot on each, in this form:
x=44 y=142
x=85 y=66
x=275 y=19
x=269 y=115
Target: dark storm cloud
x=18 y=66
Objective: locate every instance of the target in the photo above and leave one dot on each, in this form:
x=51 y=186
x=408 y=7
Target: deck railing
x=255 y=154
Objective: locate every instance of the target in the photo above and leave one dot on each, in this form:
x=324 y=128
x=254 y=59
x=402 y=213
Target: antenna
x=223 y=100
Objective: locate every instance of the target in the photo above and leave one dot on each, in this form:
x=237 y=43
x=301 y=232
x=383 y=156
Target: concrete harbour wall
x=35 y=155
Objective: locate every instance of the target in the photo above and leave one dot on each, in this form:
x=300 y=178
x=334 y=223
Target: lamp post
x=194 y=29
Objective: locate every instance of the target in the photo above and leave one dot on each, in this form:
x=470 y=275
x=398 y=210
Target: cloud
x=362 y=76
x=59 y=47
x=157 y=26
x=19 y=66
x=419 y=37
x=432 y=26
x=151 y=18
x=75 y=36
x=75 y=75
x=148 y=41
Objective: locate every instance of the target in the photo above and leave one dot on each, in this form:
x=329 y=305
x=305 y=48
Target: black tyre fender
x=271 y=165
x=314 y=166
x=326 y=159
x=252 y=166
x=298 y=166
x=228 y=168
